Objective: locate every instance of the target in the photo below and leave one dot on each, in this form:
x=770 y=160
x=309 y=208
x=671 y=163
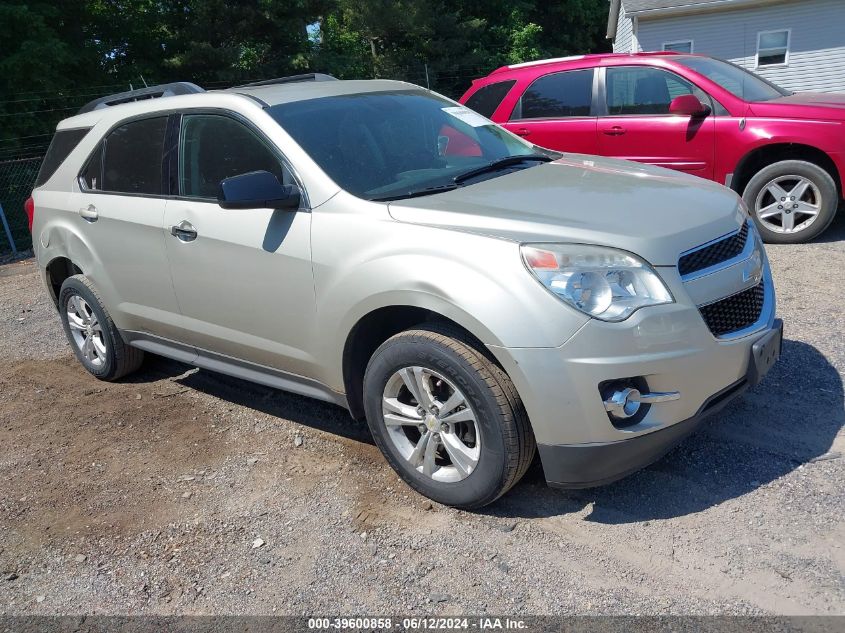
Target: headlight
x=602 y=282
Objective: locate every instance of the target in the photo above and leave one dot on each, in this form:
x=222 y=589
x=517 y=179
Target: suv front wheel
x=791 y=201
x=448 y=419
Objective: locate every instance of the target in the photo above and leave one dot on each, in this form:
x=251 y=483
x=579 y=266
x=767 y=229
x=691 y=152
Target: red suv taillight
x=29 y=207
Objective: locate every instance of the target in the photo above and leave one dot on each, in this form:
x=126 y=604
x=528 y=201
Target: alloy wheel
x=86 y=331
x=431 y=423
x=788 y=204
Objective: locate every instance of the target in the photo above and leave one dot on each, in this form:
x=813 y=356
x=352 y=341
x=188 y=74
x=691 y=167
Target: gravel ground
x=185 y=492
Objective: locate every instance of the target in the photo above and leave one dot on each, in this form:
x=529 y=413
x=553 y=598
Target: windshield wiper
x=499 y=164
x=416 y=193
x=460 y=178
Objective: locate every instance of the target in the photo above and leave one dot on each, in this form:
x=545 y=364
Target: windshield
x=381 y=145
x=738 y=81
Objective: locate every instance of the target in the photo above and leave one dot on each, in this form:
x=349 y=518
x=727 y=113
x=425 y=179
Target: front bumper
x=590 y=465
x=585 y=466
x=670 y=348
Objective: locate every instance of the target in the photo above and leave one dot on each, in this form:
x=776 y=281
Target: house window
x=680 y=46
x=772 y=48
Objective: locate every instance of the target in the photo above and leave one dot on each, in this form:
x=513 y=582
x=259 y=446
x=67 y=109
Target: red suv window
x=486 y=99
x=557 y=95
x=643 y=90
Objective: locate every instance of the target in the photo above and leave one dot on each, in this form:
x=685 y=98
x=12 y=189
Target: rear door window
x=132 y=159
x=558 y=95
x=485 y=100
x=63 y=143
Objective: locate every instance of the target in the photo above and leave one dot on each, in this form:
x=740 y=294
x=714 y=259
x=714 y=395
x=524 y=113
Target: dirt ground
x=180 y=491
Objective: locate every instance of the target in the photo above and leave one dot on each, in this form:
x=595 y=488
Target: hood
x=652 y=212
x=817 y=105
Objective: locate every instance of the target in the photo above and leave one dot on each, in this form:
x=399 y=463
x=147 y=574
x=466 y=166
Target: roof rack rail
x=150 y=92
x=290 y=80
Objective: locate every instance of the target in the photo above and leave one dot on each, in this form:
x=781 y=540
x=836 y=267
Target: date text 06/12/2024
x=421 y=623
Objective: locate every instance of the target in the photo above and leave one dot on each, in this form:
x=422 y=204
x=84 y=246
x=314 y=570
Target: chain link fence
x=17 y=178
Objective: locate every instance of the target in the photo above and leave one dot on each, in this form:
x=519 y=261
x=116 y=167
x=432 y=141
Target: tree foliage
x=58 y=55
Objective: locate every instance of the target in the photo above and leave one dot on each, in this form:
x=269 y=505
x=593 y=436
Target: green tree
x=453 y=41
x=47 y=65
x=205 y=41
x=55 y=56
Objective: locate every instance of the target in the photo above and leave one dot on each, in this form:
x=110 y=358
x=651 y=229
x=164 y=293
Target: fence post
x=8 y=231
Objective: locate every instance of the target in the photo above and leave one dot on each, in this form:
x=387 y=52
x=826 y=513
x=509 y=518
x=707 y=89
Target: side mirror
x=688 y=105
x=257 y=190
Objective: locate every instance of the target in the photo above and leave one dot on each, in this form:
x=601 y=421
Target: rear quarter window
x=63 y=143
x=486 y=99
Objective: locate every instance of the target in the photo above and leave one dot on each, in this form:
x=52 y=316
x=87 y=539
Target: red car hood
x=803 y=105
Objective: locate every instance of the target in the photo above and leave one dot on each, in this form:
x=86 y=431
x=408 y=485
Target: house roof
x=634 y=6
x=647 y=7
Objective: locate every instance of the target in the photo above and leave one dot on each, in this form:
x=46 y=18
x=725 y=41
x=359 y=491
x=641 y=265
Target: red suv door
x=636 y=124
x=556 y=111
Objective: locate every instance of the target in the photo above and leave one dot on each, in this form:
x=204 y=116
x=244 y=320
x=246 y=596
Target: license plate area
x=765 y=353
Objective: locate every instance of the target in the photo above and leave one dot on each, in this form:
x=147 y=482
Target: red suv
x=783 y=152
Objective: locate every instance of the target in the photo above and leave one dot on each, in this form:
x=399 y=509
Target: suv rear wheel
x=791 y=201
x=448 y=420
x=92 y=334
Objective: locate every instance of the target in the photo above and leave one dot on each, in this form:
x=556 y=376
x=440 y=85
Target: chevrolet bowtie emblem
x=753 y=268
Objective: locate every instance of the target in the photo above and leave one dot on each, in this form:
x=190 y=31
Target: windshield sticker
x=467 y=116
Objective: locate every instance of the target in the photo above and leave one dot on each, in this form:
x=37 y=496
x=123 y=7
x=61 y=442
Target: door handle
x=184 y=231
x=616 y=130
x=522 y=131
x=89 y=213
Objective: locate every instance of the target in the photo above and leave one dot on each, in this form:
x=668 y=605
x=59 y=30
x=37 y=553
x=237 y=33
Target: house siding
x=817 y=41
x=623 y=42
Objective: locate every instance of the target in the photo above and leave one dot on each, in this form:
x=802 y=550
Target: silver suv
x=375 y=245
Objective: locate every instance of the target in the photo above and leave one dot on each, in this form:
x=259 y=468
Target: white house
x=797 y=44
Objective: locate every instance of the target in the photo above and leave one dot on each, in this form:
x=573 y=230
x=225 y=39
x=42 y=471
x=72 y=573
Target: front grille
x=735 y=312
x=715 y=253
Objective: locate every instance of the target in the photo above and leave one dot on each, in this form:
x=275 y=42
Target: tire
x=499 y=435
x=821 y=193
x=108 y=357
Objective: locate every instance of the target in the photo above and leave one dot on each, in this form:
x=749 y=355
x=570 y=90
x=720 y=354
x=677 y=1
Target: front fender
x=827 y=137
x=476 y=281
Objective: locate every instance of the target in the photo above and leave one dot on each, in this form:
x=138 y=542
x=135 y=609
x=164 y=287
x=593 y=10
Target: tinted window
x=558 y=95
x=63 y=143
x=215 y=147
x=387 y=144
x=738 y=81
x=133 y=156
x=644 y=90
x=485 y=100
x=92 y=175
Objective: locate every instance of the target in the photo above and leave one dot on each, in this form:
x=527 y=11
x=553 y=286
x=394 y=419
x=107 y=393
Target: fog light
x=627 y=400
x=623 y=404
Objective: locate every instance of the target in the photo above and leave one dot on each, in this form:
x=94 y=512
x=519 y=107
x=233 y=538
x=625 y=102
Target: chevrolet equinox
x=375 y=245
